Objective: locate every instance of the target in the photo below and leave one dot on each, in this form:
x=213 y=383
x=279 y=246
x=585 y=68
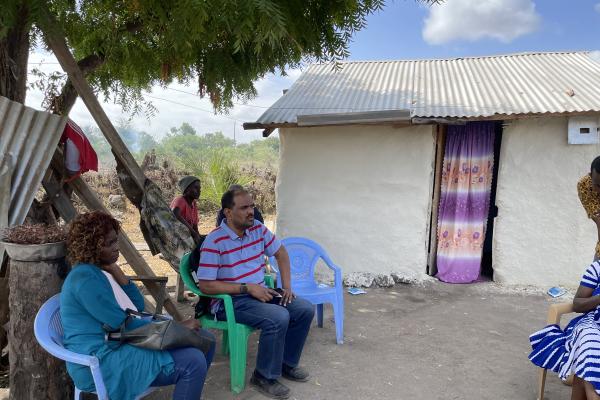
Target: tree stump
x=34 y=277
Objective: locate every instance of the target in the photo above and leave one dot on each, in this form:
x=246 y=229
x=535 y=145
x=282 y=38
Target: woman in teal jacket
x=96 y=293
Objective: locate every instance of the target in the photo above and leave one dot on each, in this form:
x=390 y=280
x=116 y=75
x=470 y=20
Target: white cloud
x=169 y=113
x=471 y=20
x=597 y=7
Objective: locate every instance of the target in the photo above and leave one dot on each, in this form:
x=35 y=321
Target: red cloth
x=88 y=160
x=189 y=213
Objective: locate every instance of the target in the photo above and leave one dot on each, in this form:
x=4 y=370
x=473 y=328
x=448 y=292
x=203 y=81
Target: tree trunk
x=14 y=53
x=34 y=374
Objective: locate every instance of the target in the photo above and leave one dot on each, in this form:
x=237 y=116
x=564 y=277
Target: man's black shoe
x=269 y=387
x=297 y=374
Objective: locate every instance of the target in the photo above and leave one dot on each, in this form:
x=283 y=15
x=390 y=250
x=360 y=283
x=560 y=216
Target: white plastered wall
x=542 y=235
x=362 y=192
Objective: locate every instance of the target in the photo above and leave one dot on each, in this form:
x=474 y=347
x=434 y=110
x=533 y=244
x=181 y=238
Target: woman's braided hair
x=86 y=236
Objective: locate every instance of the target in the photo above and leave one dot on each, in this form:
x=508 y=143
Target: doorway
x=462 y=174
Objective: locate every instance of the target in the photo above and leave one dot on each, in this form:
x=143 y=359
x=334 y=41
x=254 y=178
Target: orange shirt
x=590 y=200
x=188 y=212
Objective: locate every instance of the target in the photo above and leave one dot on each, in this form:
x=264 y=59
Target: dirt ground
x=439 y=341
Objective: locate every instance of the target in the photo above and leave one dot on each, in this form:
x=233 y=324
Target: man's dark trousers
x=283 y=330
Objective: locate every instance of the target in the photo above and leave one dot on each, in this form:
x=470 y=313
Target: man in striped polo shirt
x=232 y=262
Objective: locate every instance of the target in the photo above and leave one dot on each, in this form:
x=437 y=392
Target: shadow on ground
x=435 y=342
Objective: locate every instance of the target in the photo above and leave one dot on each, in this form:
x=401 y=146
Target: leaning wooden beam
x=135 y=260
x=56 y=40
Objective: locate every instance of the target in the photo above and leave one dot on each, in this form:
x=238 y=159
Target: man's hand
x=191 y=323
x=286 y=297
x=260 y=293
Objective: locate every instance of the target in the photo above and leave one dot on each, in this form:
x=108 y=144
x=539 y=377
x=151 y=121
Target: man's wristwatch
x=243 y=288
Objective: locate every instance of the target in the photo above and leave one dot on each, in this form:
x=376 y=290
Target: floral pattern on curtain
x=464 y=201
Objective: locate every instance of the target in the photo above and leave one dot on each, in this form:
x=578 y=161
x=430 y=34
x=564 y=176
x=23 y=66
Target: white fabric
x=120 y=295
x=71 y=156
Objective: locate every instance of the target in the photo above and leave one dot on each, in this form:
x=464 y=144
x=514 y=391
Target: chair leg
x=237 y=360
x=338 y=315
x=225 y=343
x=320 y=315
x=569 y=381
x=541 y=383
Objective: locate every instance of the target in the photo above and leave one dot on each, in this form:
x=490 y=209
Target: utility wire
x=193 y=107
x=237 y=104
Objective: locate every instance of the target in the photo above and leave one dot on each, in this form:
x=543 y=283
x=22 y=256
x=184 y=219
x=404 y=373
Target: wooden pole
x=440 y=143
x=179 y=288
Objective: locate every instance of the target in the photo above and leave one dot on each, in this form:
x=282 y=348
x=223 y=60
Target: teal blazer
x=87 y=303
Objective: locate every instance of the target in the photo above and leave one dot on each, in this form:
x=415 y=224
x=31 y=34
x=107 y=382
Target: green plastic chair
x=235 y=335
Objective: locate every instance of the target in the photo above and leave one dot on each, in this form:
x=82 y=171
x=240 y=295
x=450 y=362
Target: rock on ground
x=384 y=281
x=359 y=279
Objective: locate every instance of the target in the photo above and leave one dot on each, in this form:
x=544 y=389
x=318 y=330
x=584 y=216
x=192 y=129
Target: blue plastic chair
x=304 y=254
x=48 y=331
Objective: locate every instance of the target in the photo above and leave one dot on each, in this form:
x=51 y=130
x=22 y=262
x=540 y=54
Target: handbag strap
x=117 y=334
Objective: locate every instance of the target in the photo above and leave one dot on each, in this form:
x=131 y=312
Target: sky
x=404 y=29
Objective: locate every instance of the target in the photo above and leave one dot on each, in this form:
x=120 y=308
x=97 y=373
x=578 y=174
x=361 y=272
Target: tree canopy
x=221 y=45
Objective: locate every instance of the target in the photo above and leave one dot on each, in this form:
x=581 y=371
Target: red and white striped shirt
x=225 y=256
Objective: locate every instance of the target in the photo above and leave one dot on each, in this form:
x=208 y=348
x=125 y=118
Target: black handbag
x=160 y=334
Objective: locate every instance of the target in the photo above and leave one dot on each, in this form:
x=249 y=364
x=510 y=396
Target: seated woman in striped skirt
x=576 y=350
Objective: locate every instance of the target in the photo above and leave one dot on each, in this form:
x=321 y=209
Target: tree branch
x=63 y=103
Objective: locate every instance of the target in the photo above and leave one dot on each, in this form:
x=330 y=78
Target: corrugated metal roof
x=27 y=141
x=474 y=87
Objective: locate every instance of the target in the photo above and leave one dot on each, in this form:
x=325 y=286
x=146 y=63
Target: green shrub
x=219 y=173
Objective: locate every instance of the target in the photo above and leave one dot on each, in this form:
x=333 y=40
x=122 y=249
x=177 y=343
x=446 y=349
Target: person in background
x=221 y=216
x=79 y=154
x=185 y=206
x=95 y=295
x=588 y=189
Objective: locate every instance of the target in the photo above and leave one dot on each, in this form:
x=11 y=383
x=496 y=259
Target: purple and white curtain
x=464 y=201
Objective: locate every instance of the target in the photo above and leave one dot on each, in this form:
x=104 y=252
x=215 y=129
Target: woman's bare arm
x=584 y=301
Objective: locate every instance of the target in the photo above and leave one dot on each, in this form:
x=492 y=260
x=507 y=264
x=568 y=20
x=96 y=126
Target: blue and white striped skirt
x=576 y=350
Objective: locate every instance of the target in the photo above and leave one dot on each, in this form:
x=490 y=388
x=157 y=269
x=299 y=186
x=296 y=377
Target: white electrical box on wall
x=584 y=130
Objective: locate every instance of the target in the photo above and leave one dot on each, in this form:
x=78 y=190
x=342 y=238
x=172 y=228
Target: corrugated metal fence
x=28 y=139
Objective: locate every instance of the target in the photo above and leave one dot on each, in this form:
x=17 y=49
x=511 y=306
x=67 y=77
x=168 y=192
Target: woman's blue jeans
x=190 y=369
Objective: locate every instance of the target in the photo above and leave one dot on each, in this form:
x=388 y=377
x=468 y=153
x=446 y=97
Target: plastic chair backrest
x=55 y=328
x=48 y=331
x=304 y=254
x=48 y=327
x=186 y=276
